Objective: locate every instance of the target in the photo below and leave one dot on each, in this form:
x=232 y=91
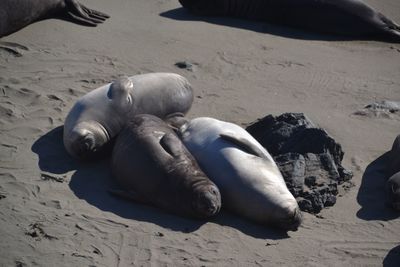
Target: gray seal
x=393 y=184
x=345 y=17
x=17 y=14
x=248 y=178
x=97 y=117
x=153 y=166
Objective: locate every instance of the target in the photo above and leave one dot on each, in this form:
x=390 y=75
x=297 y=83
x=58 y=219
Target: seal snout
x=83 y=142
x=293 y=221
x=208 y=201
x=86 y=139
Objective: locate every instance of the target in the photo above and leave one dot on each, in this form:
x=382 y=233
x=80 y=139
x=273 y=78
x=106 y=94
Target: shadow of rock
x=392 y=259
x=92 y=180
x=256 y=26
x=372 y=194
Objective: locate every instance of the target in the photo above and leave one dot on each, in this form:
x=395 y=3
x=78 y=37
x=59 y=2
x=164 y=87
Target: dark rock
x=308 y=158
x=310 y=181
x=186 y=65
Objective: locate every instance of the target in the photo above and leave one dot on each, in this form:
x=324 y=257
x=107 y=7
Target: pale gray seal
x=393 y=184
x=154 y=167
x=17 y=14
x=346 y=17
x=250 y=182
x=97 y=117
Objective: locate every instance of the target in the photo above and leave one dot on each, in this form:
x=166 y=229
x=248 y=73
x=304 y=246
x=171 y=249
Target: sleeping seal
x=346 y=17
x=249 y=180
x=393 y=184
x=97 y=117
x=153 y=166
x=16 y=14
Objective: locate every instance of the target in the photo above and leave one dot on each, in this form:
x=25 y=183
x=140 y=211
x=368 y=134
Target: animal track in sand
x=12 y=49
x=36 y=231
x=52 y=203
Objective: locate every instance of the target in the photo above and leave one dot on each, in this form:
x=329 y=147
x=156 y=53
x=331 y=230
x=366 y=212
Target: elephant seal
x=97 y=117
x=154 y=167
x=17 y=14
x=345 y=17
x=249 y=180
x=393 y=184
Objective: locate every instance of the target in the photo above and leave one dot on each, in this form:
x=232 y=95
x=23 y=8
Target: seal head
x=206 y=199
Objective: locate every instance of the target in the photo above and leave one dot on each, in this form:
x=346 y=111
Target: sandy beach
x=55 y=211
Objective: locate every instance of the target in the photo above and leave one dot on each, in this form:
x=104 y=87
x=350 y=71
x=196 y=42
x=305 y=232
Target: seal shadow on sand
x=392 y=259
x=92 y=180
x=182 y=14
x=372 y=194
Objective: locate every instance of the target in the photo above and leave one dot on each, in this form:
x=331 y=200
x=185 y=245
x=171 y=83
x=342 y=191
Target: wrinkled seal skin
x=250 y=182
x=97 y=117
x=17 y=14
x=345 y=17
x=153 y=166
x=393 y=184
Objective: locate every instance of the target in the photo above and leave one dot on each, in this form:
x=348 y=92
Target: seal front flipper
x=172 y=145
x=176 y=121
x=244 y=144
x=129 y=195
x=83 y=14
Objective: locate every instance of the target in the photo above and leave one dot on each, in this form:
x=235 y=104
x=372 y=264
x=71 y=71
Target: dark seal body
x=97 y=117
x=345 y=17
x=16 y=14
x=393 y=184
x=154 y=167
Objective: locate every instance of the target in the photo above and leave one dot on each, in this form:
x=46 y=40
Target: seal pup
x=248 y=178
x=17 y=14
x=345 y=17
x=154 y=167
x=393 y=184
x=97 y=117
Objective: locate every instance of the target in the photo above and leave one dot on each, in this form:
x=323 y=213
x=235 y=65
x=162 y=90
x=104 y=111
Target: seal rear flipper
x=172 y=145
x=176 y=121
x=129 y=195
x=390 y=28
x=244 y=144
x=84 y=15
